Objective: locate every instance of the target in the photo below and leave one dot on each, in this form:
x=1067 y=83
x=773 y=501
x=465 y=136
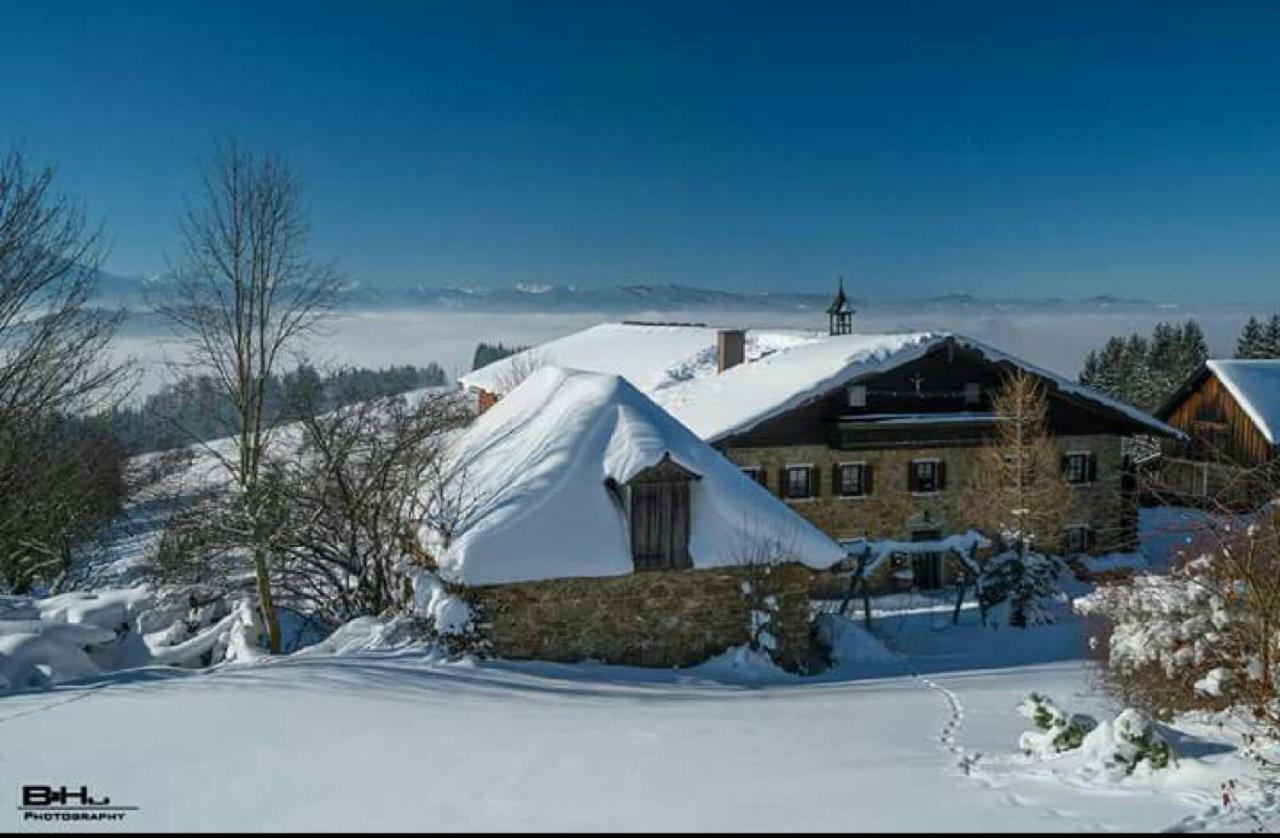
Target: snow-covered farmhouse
x=1230 y=413
x=597 y=526
x=868 y=436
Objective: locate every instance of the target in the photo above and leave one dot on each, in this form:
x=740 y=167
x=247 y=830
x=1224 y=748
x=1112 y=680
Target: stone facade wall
x=891 y=511
x=654 y=618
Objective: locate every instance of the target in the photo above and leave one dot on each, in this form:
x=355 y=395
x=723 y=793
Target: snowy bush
x=1127 y=744
x=758 y=553
x=1017 y=590
x=442 y=610
x=1186 y=640
x=81 y=635
x=1056 y=731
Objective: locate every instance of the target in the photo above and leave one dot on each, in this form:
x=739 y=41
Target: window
x=755 y=473
x=972 y=393
x=798 y=481
x=857 y=395
x=853 y=480
x=1079 y=538
x=925 y=477
x=1079 y=467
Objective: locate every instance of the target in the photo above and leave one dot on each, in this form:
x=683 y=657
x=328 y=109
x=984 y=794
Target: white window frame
x=973 y=388
x=812 y=493
x=753 y=473
x=840 y=465
x=861 y=400
x=1078 y=453
x=936 y=461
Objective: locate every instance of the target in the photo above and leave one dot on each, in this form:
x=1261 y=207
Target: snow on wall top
x=535 y=468
x=1255 y=384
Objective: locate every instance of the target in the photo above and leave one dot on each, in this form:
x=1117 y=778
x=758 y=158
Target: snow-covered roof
x=675 y=365
x=535 y=471
x=1255 y=384
x=742 y=397
x=651 y=356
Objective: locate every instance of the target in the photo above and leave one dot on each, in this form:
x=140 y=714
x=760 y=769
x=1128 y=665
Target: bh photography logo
x=60 y=803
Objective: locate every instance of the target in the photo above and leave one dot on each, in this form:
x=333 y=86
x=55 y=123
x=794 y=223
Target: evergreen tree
x=487 y=353
x=1252 y=340
x=1271 y=343
x=1144 y=372
x=1138 y=383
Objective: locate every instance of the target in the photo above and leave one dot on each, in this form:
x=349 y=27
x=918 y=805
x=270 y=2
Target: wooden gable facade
x=1220 y=430
x=659 y=511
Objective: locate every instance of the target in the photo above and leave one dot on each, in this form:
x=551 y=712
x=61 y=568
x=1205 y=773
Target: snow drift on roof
x=1255 y=384
x=535 y=468
x=650 y=356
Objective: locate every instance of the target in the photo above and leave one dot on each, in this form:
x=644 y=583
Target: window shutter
x=1090 y=538
x=942 y=475
x=913 y=484
x=1093 y=467
x=1064 y=464
x=866 y=479
x=836 y=471
x=784 y=484
x=815 y=483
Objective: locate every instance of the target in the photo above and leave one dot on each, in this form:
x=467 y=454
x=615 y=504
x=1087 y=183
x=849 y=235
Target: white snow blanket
x=1255 y=384
x=536 y=468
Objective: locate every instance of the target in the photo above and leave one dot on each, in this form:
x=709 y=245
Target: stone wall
x=891 y=511
x=654 y=618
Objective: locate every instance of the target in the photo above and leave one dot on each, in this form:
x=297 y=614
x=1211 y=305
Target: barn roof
x=535 y=475
x=1255 y=384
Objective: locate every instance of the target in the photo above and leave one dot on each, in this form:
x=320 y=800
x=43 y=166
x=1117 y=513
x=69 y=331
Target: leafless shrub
x=60 y=476
x=352 y=496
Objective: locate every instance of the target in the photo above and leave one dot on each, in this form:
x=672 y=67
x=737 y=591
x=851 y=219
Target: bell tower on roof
x=840 y=313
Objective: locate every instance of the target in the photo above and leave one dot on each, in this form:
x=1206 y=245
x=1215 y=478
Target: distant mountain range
x=136 y=292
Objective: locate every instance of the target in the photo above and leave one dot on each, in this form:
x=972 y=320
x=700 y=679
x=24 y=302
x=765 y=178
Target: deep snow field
x=921 y=735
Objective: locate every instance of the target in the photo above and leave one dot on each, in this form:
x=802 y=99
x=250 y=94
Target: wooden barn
x=1230 y=412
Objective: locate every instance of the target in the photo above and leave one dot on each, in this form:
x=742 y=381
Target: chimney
x=731 y=348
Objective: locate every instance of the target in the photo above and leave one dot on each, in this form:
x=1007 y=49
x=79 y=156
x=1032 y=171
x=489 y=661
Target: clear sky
x=999 y=149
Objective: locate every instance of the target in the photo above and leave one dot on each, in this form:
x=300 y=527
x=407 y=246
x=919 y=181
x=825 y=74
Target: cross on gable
x=918 y=380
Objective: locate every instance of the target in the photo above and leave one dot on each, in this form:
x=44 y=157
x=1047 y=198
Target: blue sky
x=998 y=149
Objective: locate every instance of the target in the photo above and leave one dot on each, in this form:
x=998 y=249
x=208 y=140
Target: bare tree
x=351 y=496
x=54 y=368
x=1018 y=492
x=246 y=295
